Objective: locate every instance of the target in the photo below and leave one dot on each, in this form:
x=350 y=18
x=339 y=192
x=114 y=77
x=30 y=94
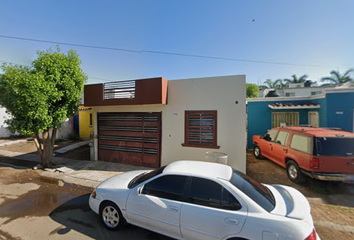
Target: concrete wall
x=84 y=122
x=301 y=92
x=4 y=132
x=63 y=132
x=340 y=107
x=214 y=93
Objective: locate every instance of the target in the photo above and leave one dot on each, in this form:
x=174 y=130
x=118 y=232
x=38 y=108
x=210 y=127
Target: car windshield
x=145 y=176
x=334 y=146
x=253 y=189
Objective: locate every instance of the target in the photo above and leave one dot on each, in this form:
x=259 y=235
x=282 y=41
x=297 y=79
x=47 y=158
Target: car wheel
x=111 y=215
x=257 y=152
x=294 y=173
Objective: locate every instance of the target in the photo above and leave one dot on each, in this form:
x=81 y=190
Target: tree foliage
x=269 y=83
x=251 y=90
x=296 y=79
x=41 y=97
x=337 y=78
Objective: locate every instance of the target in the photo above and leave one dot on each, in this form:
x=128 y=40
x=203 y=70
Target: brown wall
x=147 y=91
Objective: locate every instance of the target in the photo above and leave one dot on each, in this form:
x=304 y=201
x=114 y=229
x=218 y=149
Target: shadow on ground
x=76 y=215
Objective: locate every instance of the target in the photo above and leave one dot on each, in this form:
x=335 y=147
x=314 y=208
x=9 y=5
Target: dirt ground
x=268 y=172
x=331 y=221
x=81 y=153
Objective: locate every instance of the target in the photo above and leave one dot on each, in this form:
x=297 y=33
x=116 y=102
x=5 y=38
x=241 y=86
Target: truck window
x=334 y=146
x=271 y=134
x=301 y=143
x=282 y=138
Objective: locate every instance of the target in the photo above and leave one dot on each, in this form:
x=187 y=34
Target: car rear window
x=253 y=189
x=334 y=146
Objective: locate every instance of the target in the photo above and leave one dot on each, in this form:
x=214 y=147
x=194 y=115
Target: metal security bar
x=200 y=128
x=287 y=118
x=119 y=90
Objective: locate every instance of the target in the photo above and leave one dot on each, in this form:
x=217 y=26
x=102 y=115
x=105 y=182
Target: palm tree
x=338 y=79
x=295 y=79
x=269 y=83
x=281 y=83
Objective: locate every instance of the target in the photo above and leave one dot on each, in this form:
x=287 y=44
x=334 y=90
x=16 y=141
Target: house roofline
x=275 y=99
x=339 y=90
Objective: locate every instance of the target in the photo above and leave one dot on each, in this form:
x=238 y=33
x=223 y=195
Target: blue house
x=333 y=109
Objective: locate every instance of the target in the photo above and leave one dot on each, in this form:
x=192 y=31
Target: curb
x=58 y=181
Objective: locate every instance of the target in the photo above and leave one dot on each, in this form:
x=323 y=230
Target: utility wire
x=69 y=44
x=164 y=53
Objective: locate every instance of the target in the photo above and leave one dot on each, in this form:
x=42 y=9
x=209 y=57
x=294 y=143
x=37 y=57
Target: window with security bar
x=280 y=119
x=200 y=129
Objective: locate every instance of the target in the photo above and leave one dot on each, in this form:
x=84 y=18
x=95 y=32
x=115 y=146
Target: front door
x=267 y=144
x=280 y=147
x=314 y=119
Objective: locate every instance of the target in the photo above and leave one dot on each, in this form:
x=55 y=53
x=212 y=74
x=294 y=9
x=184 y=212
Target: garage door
x=130 y=138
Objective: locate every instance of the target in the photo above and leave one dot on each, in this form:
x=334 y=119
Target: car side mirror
x=267 y=137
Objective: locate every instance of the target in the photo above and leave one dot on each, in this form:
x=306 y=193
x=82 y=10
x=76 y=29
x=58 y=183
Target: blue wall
x=340 y=110
x=336 y=110
x=260 y=115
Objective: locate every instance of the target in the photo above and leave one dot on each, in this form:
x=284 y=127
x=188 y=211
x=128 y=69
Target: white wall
x=214 y=93
x=63 y=132
x=3 y=127
x=301 y=92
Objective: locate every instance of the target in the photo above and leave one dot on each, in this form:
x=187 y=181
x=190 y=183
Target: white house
x=304 y=89
x=4 y=132
x=62 y=133
x=153 y=122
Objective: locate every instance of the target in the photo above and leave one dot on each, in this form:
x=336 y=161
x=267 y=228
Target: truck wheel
x=257 y=152
x=294 y=172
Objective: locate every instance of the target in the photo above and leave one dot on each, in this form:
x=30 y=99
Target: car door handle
x=231 y=221
x=173 y=209
x=285 y=150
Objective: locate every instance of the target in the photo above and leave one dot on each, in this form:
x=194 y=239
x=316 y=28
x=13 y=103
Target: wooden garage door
x=130 y=138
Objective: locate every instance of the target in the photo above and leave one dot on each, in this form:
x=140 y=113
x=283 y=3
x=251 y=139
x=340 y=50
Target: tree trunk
x=38 y=144
x=46 y=153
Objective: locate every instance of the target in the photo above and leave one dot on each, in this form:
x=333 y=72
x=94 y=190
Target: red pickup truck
x=320 y=153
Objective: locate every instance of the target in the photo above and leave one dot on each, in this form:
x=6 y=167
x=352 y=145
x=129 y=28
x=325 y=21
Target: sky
x=178 y=39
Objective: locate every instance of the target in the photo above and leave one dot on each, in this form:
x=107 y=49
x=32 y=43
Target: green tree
x=337 y=78
x=41 y=97
x=251 y=90
x=295 y=79
x=269 y=83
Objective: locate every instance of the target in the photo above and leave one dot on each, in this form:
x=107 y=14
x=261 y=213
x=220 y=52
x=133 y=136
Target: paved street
x=34 y=209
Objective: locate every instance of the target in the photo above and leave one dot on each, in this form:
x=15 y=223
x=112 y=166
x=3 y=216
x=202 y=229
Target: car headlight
x=93 y=194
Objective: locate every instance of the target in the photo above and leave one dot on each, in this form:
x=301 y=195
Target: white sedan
x=201 y=200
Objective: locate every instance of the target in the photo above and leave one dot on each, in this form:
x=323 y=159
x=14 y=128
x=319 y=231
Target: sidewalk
x=86 y=174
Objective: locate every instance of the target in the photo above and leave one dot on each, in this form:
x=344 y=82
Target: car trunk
x=291 y=203
x=334 y=154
